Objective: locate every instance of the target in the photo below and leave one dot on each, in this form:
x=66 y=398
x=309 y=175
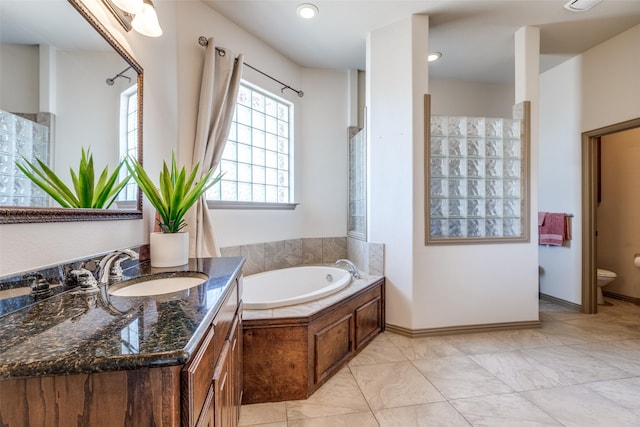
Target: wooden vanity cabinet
x=206 y=391
x=211 y=381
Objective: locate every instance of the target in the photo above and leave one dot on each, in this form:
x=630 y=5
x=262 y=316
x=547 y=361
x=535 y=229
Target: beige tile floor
x=577 y=370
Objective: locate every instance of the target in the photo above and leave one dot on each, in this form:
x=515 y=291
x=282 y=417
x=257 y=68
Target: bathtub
x=289 y=286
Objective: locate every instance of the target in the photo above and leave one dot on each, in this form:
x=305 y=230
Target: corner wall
x=429 y=287
x=593 y=90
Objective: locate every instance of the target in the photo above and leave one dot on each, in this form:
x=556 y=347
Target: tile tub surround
x=260 y=257
x=72 y=333
x=569 y=372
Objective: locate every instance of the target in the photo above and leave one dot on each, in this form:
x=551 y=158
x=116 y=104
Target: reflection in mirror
x=65 y=84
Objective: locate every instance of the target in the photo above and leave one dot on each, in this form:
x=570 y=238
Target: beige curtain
x=218 y=92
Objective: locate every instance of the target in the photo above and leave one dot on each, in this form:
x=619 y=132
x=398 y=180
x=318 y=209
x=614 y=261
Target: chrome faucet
x=109 y=267
x=352 y=268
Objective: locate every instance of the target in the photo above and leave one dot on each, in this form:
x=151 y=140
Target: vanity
x=86 y=359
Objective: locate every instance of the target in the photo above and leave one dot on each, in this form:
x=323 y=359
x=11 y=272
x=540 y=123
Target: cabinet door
x=207 y=417
x=196 y=381
x=236 y=366
x=368 y=321
x=332 y=345
x=222 y=389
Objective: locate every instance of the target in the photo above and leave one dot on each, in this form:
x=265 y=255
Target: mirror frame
x=20 y=214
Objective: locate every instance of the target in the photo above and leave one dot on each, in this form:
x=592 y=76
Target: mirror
x=65 y=83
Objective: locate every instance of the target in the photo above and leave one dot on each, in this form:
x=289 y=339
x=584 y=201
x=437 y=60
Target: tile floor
x=577 y=370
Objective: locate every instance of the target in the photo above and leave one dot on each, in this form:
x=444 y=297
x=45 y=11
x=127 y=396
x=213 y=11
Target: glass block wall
x=475 y=171
x=357 y=225
x=21 y=137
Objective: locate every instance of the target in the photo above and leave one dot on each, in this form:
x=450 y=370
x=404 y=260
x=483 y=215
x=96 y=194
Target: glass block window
x=21 y=138
x=129 y=137
x=256 y=160
x=476 y=174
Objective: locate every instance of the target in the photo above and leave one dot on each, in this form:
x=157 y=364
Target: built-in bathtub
x=291 y=286
x=291 y=348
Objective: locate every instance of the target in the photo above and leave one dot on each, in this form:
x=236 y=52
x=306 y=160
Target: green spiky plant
x=87 y=192
x=176 y=194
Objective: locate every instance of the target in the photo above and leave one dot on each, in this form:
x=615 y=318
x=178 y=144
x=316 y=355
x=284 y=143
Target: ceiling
x=475 y=37
x=51 y=22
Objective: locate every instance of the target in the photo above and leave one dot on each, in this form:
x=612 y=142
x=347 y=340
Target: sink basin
x=156 y=286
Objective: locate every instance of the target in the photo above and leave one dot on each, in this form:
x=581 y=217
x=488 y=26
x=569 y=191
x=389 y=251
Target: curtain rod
x=203 y=41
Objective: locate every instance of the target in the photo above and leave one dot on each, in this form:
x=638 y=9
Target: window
x=257 y=159
x=129 y=137
x=477 y=188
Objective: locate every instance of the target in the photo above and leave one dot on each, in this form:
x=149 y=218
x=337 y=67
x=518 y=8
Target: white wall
x=431 y=286
x=595 y=89
x=390 y=164
x=19 y=78
x=90 y=125
x=472 y=99
x=320 y=144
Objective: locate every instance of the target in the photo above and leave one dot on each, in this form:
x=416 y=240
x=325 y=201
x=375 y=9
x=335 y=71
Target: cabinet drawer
x=223 y=320
x=196 y=380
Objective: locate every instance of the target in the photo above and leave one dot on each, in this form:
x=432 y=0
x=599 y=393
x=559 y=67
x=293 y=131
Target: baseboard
x=567 y=304
x=463 y=329
x=620 y=297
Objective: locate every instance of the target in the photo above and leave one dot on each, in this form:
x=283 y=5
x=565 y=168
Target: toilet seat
x=606 y=274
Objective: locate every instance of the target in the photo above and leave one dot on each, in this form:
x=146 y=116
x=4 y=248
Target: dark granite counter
x=72 y=332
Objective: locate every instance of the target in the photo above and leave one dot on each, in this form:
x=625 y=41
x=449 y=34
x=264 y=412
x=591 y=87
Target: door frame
x=590 y=182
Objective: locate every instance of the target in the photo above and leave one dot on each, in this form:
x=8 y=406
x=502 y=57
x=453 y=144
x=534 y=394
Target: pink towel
x=554 y=229
x=541 y=216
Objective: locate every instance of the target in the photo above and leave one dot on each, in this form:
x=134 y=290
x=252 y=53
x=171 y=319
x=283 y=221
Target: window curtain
x=218 y=92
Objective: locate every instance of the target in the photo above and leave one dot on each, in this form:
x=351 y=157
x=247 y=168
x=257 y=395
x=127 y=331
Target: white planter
x=169 y=249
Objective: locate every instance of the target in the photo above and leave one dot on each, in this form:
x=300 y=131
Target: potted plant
x=176 y=193
x=86 y=192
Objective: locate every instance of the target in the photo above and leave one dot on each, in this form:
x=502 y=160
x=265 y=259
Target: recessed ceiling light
x=307 y=10
x=434 y=56
x=581 y=5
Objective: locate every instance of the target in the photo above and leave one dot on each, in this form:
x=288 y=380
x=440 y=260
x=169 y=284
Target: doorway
x=590 y=195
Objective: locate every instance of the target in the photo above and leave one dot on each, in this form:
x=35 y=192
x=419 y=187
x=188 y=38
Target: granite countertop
x=73 y=332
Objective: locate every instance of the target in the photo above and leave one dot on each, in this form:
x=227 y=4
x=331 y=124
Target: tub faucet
x=109 y=267
x=352 y=268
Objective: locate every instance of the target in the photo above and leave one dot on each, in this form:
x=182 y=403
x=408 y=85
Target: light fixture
x=307 y=10
x=581 y=5
x=144 y=21
x=130 y=6
x=434 y=56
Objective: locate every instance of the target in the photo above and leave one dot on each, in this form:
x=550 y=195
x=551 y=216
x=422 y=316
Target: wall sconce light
x=137 y=14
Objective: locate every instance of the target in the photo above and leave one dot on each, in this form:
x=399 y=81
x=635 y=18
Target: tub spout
x=352 y=268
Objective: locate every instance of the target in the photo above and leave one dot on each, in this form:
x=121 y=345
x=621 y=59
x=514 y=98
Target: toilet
x=604 y=278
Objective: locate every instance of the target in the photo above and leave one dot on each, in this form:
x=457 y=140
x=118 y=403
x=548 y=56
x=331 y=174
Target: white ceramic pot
x=169 y=249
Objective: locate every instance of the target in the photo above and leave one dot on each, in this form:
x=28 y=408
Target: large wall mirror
x=65 y=84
